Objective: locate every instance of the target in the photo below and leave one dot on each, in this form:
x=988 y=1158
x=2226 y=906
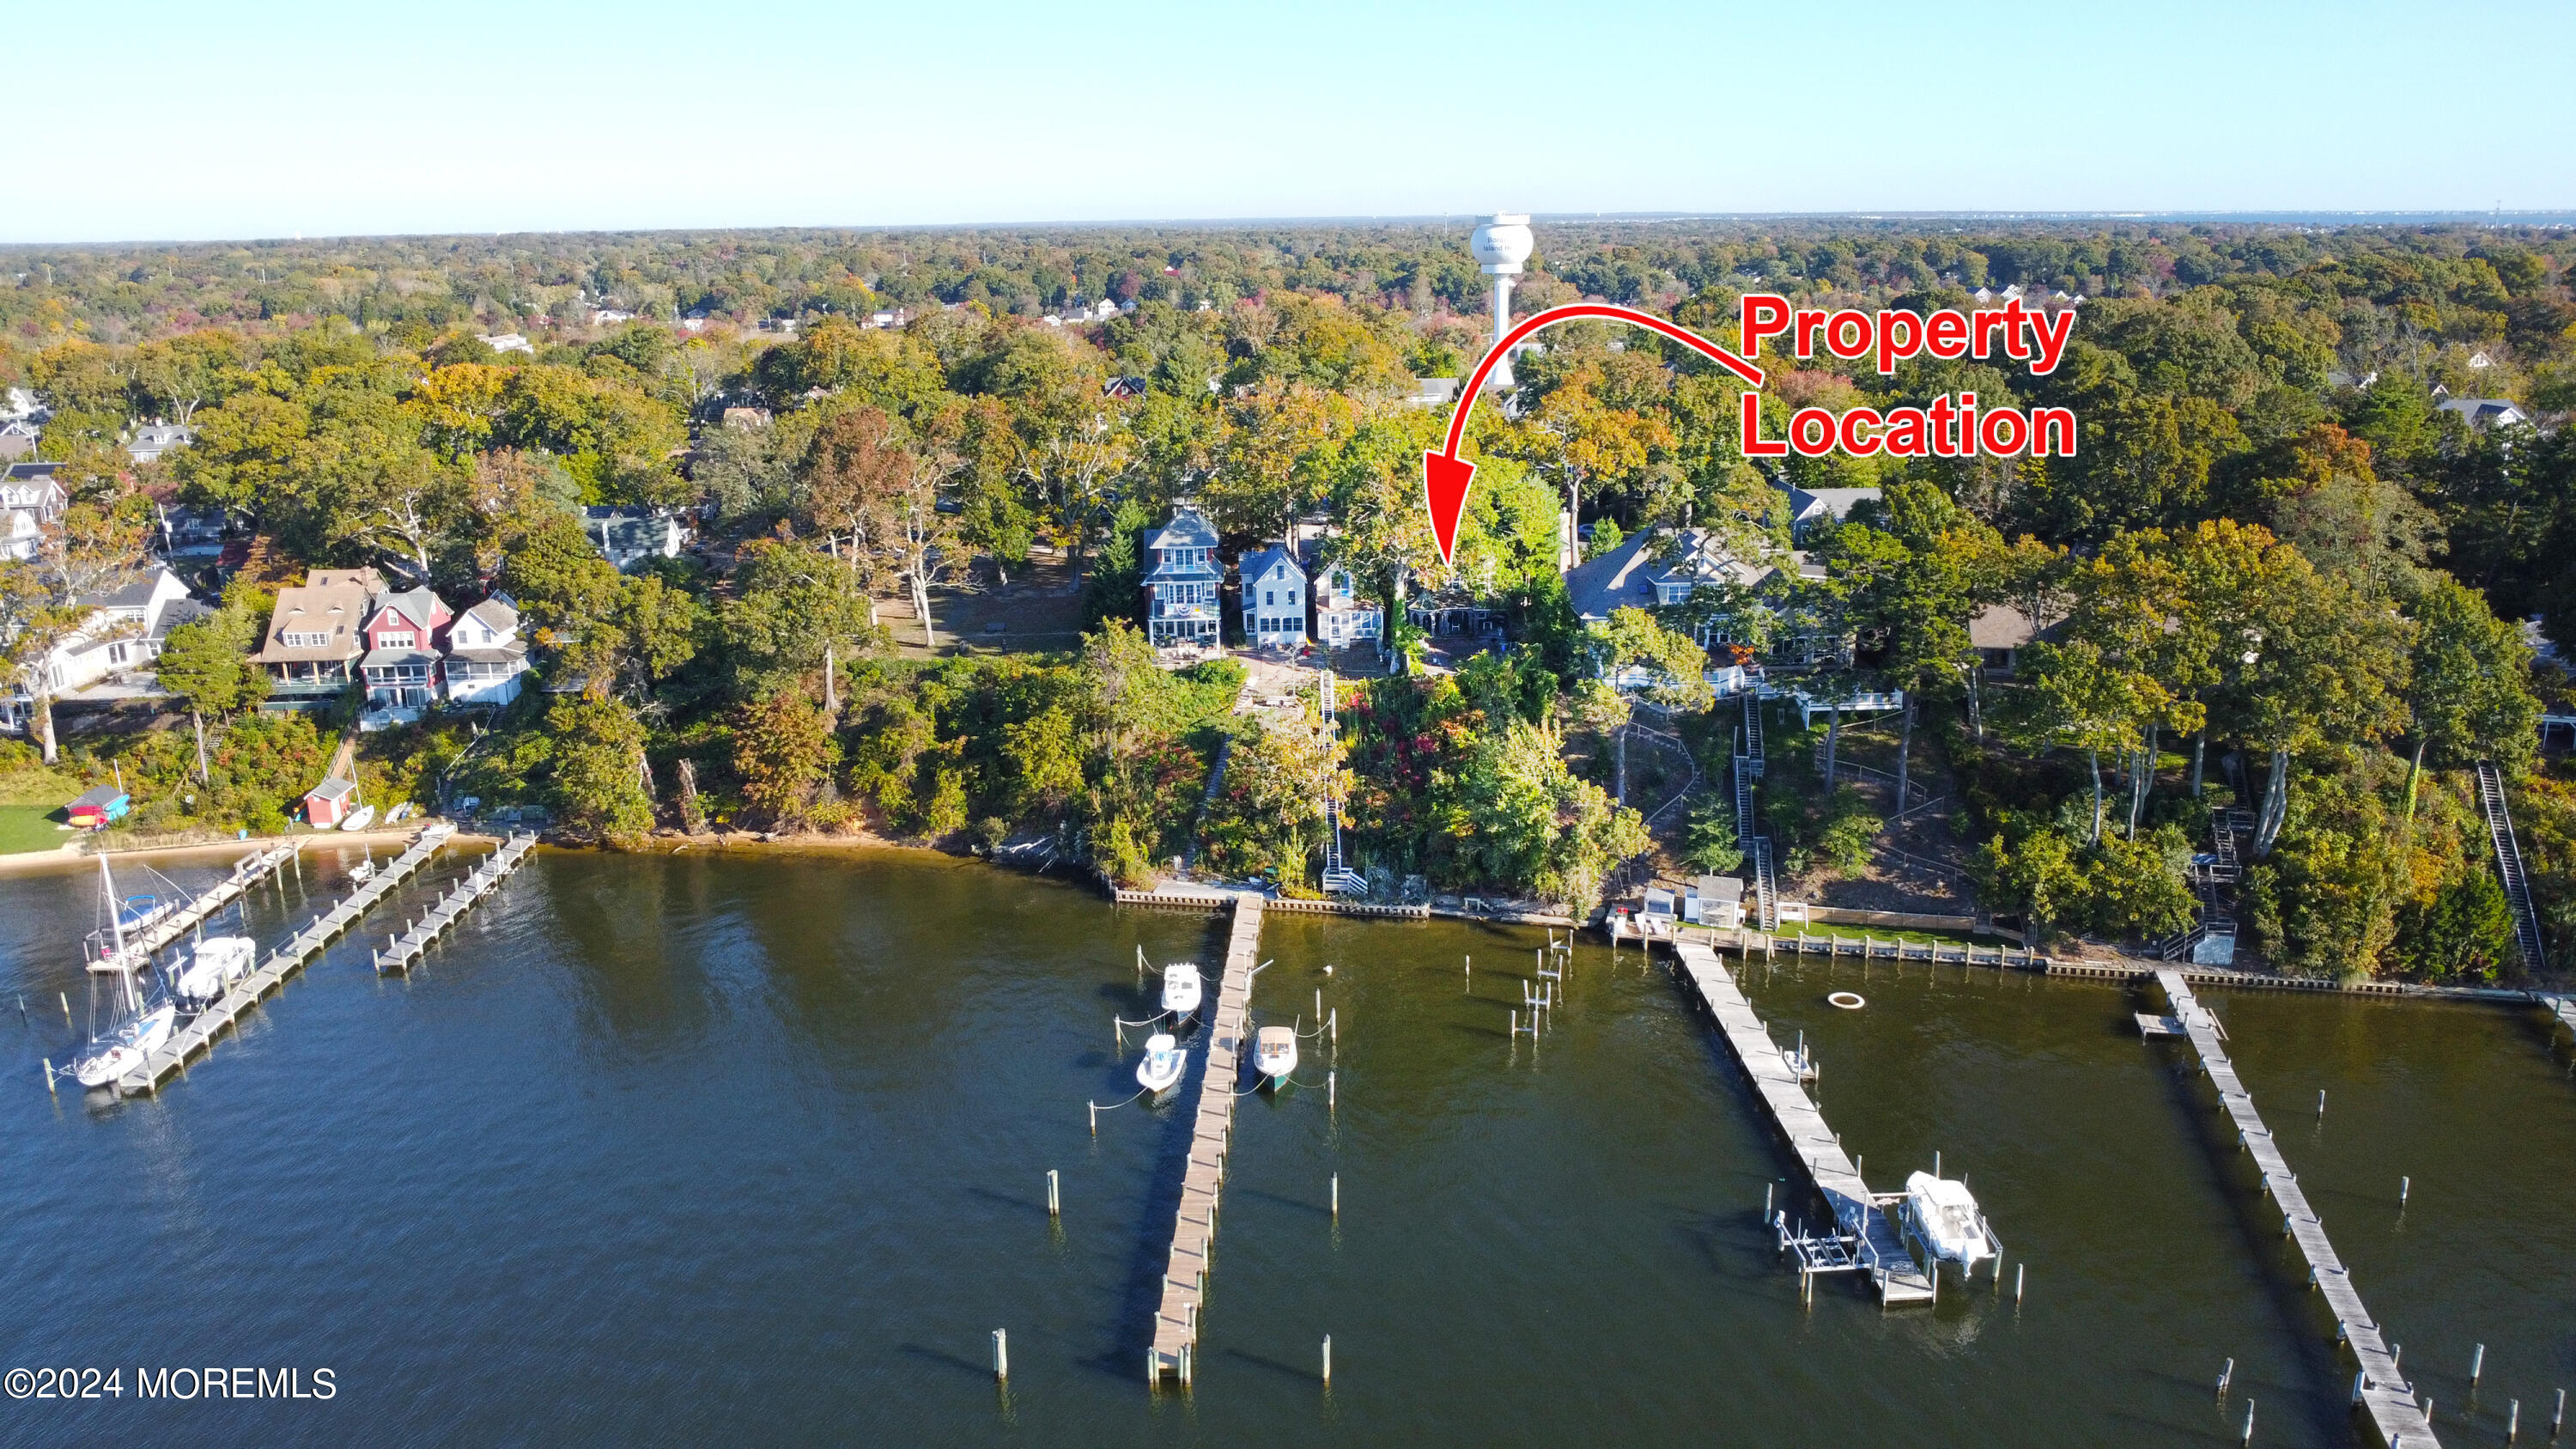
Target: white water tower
x=1501 y=246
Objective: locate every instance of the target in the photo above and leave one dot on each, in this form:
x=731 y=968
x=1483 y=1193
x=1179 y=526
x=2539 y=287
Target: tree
x=34 y=620
x=1710 y=845
x=1669 y=672
x=782 y=748
x=2083 y=698
x=794 y=612
x=1277 y=459
x=854 y=473
x=598 y=770
x=2468 y=696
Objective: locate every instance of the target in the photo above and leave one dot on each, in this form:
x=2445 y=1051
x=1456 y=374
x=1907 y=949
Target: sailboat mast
x=115 y=908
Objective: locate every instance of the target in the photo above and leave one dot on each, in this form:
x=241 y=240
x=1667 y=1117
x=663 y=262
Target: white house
x=1809 y=507
x=626 y=536
x=1274 y=600
x=155 y=438
x=484 y=655
x=30 y=500
x=2483 y=412
x=1342 y=616
x=509 y=342
x=18 y=439
x=125 y=630
x=1181 y=582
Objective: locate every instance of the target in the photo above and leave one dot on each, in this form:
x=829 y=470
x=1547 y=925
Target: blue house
x=1274 y=600
x=1181 y=582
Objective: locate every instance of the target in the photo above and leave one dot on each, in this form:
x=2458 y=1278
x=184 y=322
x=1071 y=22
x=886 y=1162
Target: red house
x=405 y=634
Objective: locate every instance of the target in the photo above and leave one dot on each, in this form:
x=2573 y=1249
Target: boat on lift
x=1160 y=1071
x=133 y=1022
x=1181 y=988
x=211 y=969
x=1943 y=1215
x=1274 y=1053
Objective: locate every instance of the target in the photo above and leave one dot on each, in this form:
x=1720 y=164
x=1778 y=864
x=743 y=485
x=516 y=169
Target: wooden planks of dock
x=402 y=951
x=249 y=871
x=1176 y=1321
x=1881 y=1250
x=199 y=1034
x=2379 y=1387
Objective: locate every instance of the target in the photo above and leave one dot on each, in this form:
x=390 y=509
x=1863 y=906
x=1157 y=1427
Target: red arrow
x=1445 y=475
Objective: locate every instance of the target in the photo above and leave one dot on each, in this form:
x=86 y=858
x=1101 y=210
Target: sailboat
x=1181 y=988
x=134 y=1025
x=215 y=965
x=1161 y=1068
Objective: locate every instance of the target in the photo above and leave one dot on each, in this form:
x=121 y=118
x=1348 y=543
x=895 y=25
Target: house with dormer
x=1274 y=600
x=30 y=502
x=1182 y=582
x=1696 y=582
x=484 y=655
x=1341 y=616
x=403 y=633
x=315 y=639
x=124 y=630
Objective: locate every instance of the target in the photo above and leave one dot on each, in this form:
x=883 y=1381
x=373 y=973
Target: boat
x=360 y=818
x=1274 y=1052
x=364 y=871
x=216 y=964
x=1160 y=1071
x=133 y=1024
x=1942 y=1213
x=1181 y=988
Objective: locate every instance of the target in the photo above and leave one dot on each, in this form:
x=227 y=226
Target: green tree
x=597 y=784
x=782 y=749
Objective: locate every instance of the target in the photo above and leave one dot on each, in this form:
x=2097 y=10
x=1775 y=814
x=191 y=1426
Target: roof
x=1186 y=530
x=496 y=613
x=333 y=788
x=2481 y=411
x=418 y=605
x=1719 y=887
x=137 y=592
x=1626 y=576
x=335 y=610
x=1807 y=503
x=497 y=654
x=2000 y=626
x=367 y=579
x=97 y=796
x=395 y=658
x=1261 y=564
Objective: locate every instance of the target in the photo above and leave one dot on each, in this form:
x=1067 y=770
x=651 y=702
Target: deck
x=2379 y=1387
x=403 y=951
x=199 y=1034
x=1881 y=1251
x=1176 y=1322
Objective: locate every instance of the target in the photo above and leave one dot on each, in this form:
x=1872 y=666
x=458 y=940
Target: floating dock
x=1878 y=1248
x=199 y=1034
x=249 y=871
x=1176 y=1322
x=402 y=951
x=2379 y=1387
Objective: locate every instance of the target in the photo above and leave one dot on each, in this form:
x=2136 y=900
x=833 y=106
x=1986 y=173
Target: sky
x=224 y=119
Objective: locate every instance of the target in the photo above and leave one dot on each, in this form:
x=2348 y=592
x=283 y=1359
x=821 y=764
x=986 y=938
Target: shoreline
x=69 y=857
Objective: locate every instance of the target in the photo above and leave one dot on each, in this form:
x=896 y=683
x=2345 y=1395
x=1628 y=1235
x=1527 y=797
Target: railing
x=2517 y=885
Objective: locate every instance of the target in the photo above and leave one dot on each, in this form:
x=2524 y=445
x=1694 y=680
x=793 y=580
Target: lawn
x=30 y=827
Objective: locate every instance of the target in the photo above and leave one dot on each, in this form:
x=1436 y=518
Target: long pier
x=402 y=951
x=250 y=870
x=2379 y=1386
x=1176 y=1322
x=199 y=1034
x=1880 y=1250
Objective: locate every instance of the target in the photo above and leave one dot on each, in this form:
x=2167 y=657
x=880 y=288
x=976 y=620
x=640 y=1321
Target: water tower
x=1501 y=245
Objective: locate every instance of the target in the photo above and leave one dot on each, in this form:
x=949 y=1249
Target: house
x=402 y=633
x=193 y=532
x=609 y=316
x=2480 y=361
x=155 y=438
x=97 y=808
x=18 y=439
x=1274 y=600
x=1811 y=507
x=1999 y=631
x=1181 y=582
x=21 y=405
x=1714 y=900
x=1341 y=616
x=484 y=656
x=313 y=643
x=125 y=629
x=1123 y=387
x=509 y=342
x=329 y=803
x=1658 y=567
x=746 y=419
x=2482 y=413
x=1431 y=392
x=626 y=536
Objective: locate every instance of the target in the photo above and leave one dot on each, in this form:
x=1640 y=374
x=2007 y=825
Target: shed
x=96 y=808
x=1715 y=900
x=328 y=803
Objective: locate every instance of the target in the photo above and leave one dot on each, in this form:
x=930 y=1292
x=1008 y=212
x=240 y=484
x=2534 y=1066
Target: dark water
x=682 y=1149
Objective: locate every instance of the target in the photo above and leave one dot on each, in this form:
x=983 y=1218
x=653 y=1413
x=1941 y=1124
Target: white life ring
x=1847 y=1000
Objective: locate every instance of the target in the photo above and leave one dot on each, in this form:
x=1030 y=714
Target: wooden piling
x=1001 y=1354
x=1055 y=1206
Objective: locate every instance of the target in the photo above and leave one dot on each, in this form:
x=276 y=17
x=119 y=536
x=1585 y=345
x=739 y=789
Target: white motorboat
x=215 y=965
x=360 y=818
x=363 y=872
x=1942 y=1213
x=1274 y=1052
x=1181 y=988
x=1160 y=1071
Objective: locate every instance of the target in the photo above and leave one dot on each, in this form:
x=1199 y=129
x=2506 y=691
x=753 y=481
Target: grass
x=29 y=827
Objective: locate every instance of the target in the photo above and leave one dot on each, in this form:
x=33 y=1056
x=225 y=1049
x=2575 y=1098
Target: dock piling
x=2248 y=1436
x=1337 y=1196
x=1328 y=1360
x=2321 y=1104
x=49 y=1076
x=2512 y=1420
x=1095 y=1117
x=1001 y=1354
x=2404 y=1184
x=67 y=1006
x=2018 y=1270
x=1329 y=1093
x=1055 y=1206
x=2226 y=1375
x=2558 y=1416
x=2477 y=1365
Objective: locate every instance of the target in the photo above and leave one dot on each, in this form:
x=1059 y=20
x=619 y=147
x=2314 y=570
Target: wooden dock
x=250 y=870
x=1176 y=1322
x=402 y=951
x=199 y=1034
x=2564 y=1008
x=1880 y=1250
x=2379 y=1386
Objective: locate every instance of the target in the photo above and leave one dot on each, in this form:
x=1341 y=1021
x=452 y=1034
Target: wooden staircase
x=2517 y=885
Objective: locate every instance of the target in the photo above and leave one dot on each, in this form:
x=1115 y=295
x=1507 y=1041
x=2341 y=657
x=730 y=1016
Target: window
x=304 y=640
x=391 y=640
x=1268 y=599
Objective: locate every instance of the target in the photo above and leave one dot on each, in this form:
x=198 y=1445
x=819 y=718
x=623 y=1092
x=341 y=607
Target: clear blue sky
x=222 y=118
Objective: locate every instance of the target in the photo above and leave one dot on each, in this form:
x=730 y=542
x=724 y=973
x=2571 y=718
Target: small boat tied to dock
x=1181 y=989
x=1274 y=1054
x=1164 y=1062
